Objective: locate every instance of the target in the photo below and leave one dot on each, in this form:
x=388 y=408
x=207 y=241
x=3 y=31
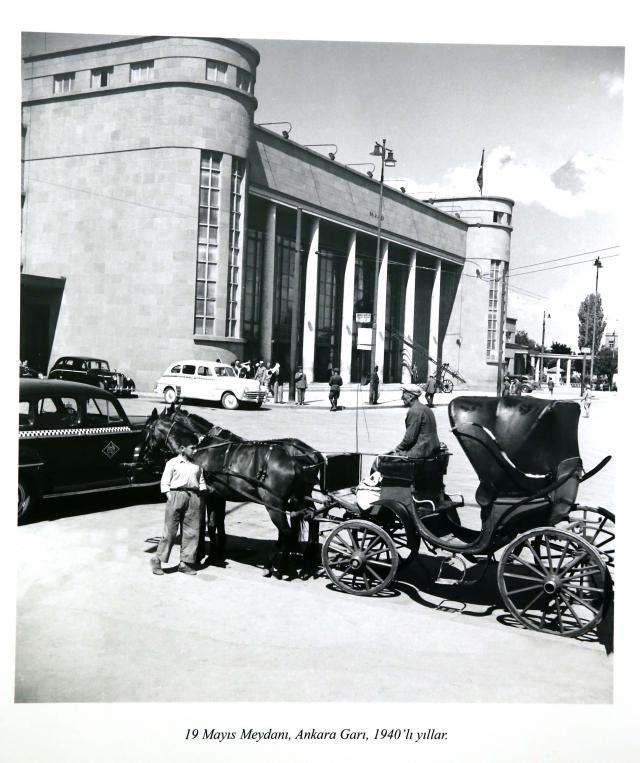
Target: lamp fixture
x=369 y=173
x=285 y=133
x=332 y=154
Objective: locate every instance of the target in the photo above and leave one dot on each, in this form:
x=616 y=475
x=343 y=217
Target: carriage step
x=431 y=507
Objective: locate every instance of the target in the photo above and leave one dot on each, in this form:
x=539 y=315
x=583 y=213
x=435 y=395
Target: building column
x=536 y=371
x=310 y=301
x=269 y=263
x=569 y=371
x=433 y=344
x=409 y=315
x=346 y=340
x=381 y=308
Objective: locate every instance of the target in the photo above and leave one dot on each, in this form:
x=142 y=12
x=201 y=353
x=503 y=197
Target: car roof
x=31 y=388
x=79 y=357
x=198 y=363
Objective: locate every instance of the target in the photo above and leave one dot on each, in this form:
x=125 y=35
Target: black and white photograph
x=321 y=445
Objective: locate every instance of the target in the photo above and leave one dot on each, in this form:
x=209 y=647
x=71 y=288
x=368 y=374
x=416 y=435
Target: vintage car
x=92 y=371
x=528 y=384
x=73 y=438
x=206 y=380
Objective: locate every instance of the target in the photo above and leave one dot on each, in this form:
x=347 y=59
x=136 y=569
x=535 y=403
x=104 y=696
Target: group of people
x=184 y=486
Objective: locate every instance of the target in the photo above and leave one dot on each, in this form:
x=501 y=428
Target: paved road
x=87 y=598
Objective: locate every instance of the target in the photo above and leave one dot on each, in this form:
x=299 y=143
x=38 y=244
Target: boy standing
x=182 y=482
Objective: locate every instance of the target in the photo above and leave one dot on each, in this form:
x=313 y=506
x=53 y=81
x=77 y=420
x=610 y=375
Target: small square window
x=101 y=77
x=217 y=71
x=63 y=83
x=142 y=71
x=243 y=80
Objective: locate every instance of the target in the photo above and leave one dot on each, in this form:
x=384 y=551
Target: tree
x=606 y=363
x=523 y=338
x=561 y=349
x=585 y=321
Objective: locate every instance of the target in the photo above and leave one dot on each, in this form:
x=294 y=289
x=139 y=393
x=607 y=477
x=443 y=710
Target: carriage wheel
x=447 y=385
x=360 y=557
x=598 y=527
x=402 y=532
x=554 y=581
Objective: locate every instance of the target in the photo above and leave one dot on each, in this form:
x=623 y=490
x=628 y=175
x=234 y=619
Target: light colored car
x=206 y=380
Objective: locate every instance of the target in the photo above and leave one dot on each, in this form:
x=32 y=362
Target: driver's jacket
x=421 y=436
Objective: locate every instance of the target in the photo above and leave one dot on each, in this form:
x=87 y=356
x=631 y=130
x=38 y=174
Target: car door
x=109 y=441
x=188 y=384
x=56 y=436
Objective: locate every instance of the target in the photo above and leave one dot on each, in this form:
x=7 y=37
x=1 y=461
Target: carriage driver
x=421 y=433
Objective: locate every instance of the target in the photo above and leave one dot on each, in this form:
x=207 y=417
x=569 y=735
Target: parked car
x=73 y=438
x=206 y=380
x=528 y=384
x=92 y=371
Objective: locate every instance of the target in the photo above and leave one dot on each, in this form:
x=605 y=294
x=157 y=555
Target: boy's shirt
x=179 y=472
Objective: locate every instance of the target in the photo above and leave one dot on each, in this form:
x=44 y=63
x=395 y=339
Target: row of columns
x=538 y=366
x=310 y=290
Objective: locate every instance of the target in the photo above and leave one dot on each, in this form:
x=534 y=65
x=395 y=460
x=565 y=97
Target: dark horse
x=279 y=474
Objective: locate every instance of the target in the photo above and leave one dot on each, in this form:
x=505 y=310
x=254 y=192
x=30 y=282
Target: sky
x=548 y=118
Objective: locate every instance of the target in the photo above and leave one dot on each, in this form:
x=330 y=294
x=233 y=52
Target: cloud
x=613 y=82
x=584 y=183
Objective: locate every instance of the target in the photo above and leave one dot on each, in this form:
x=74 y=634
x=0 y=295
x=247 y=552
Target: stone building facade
x=160 y=222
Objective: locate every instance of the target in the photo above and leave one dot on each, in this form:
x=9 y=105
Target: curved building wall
x=472 y=337
x=112 y=196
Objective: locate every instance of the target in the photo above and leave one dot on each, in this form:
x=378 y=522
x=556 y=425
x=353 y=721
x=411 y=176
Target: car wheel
x=229 y=401
x=169 y=395
x=27 y=499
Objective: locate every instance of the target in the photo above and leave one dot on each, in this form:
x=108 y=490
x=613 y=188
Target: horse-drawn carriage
x=554 y=557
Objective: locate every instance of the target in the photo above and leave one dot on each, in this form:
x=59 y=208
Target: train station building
x=160 y=222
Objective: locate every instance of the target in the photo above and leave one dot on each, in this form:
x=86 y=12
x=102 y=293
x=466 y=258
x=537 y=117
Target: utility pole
x=597 y=264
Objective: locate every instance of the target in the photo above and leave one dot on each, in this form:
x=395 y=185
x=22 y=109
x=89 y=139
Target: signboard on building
x=363 y=317
x=364 y=338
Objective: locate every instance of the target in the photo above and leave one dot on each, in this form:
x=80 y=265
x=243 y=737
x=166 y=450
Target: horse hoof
x=267 y=574
x=277 y=575
x=304 y=575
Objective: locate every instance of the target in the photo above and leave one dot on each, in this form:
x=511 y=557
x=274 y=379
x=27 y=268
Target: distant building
x=516 y=355
x=160 y=222
x=611 y=341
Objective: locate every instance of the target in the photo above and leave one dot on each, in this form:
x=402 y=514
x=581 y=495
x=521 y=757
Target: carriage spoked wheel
x=554 y=581
x=359 y=557
x=598 y=527
x=447 y=385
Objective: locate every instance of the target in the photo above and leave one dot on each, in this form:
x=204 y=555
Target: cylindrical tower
x=475 y=333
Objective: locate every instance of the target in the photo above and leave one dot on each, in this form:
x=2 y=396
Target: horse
x=278 y=474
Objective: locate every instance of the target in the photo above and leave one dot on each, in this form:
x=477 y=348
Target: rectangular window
x=141 y=71
x=63 y=83
x=207 y=246
x=492 y=323
x=101 y=77
x=233 y=272
x=243 y=80
x=252 y=277
x=217 y=71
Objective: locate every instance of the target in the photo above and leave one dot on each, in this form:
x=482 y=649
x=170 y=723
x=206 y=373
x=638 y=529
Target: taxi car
x=206 y=380
x=73 y=438
x=92 y=371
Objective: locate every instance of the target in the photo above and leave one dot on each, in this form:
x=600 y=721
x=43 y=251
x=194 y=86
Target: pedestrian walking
x=506 y=385
x=587 y=397
x=261 y=372
x=335 y=382
x=375 y=385
x=550 y=385
x=430 y=390
x=301 y=385
x=274 y=381
x=183 y=485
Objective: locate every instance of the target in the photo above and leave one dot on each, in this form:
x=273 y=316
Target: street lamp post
x=597 y=264
x=386 y=155
x=544 y=326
